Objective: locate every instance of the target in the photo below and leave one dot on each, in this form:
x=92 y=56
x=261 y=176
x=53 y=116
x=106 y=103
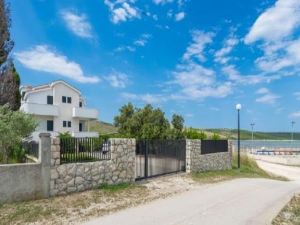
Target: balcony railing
x=85 y=134
x=40 y=109
x=85 y=113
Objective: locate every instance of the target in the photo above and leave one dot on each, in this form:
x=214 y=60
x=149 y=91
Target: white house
x=59 y=107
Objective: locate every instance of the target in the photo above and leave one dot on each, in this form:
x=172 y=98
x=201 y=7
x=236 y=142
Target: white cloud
x=122 y=10
x=199 y=41
x=117 y=80
x=221 y=56
x=162 y=2
x=262 y=91
x=142 y=41
x=41 y=58
x=235 y=76
x=197 y=83
x=295 y=114
x=266 y=96
x=77 y=23
x=146 y=98
x=276 y=22
x=179 y=16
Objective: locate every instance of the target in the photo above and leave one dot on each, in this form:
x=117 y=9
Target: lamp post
x=292 y=132
x=252 y=126
x=238 y=108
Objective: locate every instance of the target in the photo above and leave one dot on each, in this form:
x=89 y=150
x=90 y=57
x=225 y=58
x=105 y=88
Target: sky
x=190 y=57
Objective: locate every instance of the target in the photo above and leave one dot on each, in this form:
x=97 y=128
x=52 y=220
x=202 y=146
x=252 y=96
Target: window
x=50 y=100
x=69 y=124
x=64 y=99
x=80 y=127
x=49 y=125
x=69 y=100
x=80 y=104
x=64 y=123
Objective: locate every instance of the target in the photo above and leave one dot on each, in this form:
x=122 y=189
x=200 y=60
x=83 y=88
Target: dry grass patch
x=290 y=214
x=74 y=207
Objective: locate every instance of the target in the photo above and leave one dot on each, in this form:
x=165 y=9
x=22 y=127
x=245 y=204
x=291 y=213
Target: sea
x=269 y=145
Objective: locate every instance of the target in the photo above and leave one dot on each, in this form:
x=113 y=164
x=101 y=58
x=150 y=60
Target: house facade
x=59 y=108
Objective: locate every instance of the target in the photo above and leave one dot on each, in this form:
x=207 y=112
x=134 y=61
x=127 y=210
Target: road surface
x=240 y=201
x=290 y=172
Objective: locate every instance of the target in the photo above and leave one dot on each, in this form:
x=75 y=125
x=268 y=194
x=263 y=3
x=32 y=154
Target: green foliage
x=191 y=133
x=216 y=137
x=147 y=123
x=14 y=126
x=65 y=135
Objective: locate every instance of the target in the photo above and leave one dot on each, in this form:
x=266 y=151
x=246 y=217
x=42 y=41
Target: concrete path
x=290 y=172
x=240 y=201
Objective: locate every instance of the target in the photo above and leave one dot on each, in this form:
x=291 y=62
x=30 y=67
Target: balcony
x=85 y=134
x=40 y=109
x=85 y=113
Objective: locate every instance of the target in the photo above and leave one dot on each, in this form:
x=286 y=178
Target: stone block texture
x=74 y=177
x=196 y=162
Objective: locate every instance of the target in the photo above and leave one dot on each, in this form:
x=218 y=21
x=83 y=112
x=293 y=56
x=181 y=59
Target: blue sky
x=195 y=58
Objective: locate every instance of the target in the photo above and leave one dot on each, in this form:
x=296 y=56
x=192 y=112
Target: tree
x=9 y=78
x=178 y=124
x=124 y=120
x=144 y=123
x=14 y=127
x=6 y=44
x=9 y=88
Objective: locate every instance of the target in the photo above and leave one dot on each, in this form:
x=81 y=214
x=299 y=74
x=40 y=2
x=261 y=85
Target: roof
x=46 y=86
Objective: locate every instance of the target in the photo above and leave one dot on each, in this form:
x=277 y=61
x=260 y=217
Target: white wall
x=39 y=97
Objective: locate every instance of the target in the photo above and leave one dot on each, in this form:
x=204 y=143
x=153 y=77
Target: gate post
x=146 y=159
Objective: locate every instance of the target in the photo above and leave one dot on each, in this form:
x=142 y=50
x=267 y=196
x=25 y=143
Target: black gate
x=159 y=157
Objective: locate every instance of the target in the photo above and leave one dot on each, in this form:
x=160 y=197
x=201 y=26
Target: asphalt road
x=240 y=201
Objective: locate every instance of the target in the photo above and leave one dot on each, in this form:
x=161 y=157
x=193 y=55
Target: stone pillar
x=45 y=160
x=188 y=156
x=55 y=162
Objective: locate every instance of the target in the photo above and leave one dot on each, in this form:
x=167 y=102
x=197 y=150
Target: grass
x=113 y=188
x=290 y=214
x=75 y=207
x=248 y=169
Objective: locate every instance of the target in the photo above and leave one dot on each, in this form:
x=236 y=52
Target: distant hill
x=258 y=135
x=103 y=127
x=108 y=128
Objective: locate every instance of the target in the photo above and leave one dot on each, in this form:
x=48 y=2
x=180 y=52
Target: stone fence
x=197 y=162
x=73 y=177
x=48 y=177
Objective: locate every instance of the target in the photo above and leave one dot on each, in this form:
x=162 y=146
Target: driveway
x=290 y=172
x=240 y=201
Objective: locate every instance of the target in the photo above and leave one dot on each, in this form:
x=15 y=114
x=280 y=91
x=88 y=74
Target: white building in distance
x=59 y=108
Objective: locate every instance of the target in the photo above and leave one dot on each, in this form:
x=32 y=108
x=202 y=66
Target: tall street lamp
x=252 y=126
x=238 y=108
x=292 y=132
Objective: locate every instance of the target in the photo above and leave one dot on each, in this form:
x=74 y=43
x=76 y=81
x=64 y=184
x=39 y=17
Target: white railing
x=40 y=109
x=84 y=134
x=85 y=113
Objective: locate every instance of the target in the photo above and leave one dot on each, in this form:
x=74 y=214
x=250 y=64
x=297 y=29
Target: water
x=268 y=145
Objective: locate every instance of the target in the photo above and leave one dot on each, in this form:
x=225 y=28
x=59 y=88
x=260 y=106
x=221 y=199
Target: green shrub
x=192 y=133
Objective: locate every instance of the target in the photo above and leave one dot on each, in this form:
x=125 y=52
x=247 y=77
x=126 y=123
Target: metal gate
x=159 y=157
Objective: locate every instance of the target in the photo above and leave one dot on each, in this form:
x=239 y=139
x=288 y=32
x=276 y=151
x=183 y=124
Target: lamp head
x=238 y=107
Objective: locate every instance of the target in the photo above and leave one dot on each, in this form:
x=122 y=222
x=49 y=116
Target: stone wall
x=195 y=162
x=74 y=177
x=26 y=181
